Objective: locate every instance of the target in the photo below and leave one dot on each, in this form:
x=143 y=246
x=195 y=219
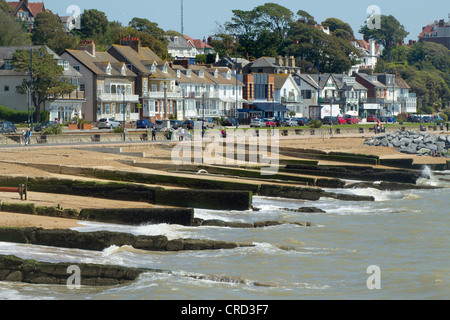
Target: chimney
x=372 y=48
x=292 y=62
x=88 y=46
x=279 y=61
x=286 y=61
x=132 y=42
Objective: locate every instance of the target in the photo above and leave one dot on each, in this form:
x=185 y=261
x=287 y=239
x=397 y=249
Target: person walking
x=447 y=125
x=153 y=134
x=28 y=137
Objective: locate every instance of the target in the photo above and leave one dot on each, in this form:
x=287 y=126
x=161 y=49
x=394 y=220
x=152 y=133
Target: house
x=231 y=63
x=108 y=84
x=370 y=53
x=270 y=65
x=196 y=88
x=27 y=11
x=287 y=92
x=406 y=99
x=201 y=46
x=225 y=93
x=179 y=48
x=309 y=90
x=63 y=108
x=350 y=95
x=437 y=32
x=376 y=94
x=156 y=84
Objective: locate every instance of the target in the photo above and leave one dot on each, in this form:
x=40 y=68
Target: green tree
x=12 y=33
x=4 y=6
x=339 y=28
x=144 y=25
x=147 y=40
x=390 y=35
x=94 y=24
x=49 y=31
x=48 y=83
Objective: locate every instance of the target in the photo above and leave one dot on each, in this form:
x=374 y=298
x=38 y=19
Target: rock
x=310 y=210
x=424 y=151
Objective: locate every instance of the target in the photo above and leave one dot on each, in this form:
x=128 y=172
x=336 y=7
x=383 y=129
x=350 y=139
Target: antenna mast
x=182 y=18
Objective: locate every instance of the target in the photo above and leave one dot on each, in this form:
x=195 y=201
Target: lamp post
x=123 y=110
x=237 y=95
x=165 y=101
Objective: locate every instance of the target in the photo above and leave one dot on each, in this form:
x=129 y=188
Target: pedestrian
x=22 y=138
x=331 y=127
x=153 y=134
x=447 y=125
x=28 y=137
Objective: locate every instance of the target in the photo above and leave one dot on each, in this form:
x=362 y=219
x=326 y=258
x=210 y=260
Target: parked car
x=270 y=122
x=257 y=123
x=7 y=127
x=209 y=123
x=45 y=125
x=175 y=124
x=352 y=119
x=326 y=120
x=391 y=120
x=145 y=124
x=427 y=119
x=302 y=121
x=230 y=122
x=341 y=120
x=189 y=124
x=291 y=122
x=108 y=123
x=372 y=118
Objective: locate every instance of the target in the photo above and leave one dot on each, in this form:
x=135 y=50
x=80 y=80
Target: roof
x=177 y=43
x=99 y=63
x=280 y=79
x=143 y=60
x=373 y=82
x=401 y=83
x=194 y=78
x=197 y=43
x=220 y=80
x=33 y=7
x=263 y=62
x=6 y=53
x=306 y=78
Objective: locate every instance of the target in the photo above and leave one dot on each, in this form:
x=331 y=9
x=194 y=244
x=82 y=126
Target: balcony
x=160 y=95
x=75 y=95
x=118 y=97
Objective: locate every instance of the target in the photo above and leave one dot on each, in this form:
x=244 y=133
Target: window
x=6 y=88
x=76 y=68
x=145 y=86
x=82 y=87
x=7 y=65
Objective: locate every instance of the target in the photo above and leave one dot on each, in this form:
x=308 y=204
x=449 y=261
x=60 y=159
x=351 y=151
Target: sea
x=395 y=248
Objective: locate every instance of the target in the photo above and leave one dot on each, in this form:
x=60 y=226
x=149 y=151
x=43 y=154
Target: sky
x=201 y=17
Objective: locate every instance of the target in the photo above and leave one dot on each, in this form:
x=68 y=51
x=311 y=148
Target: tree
x=339 y=28
x=144 y=25
x=49 y=31
x=48 y=83
x=305 y=17
x=94 y=24
x=12 y=33
x=275 y=18
x=5 y=7
x=389 y=35
x=147 y=40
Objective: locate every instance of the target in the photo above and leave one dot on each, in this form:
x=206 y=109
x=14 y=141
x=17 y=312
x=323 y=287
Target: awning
x=270 y=107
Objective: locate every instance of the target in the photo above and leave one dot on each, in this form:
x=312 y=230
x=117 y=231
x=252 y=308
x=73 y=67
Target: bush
x=444 y=116
x=315 y=123
x=54 y=130
x=14 y=116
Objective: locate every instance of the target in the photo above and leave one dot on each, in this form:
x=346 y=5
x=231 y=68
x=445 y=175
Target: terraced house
x=108 y=84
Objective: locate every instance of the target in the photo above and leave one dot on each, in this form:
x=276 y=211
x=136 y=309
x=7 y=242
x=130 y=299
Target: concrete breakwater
x=412 y=142
x=100 y=240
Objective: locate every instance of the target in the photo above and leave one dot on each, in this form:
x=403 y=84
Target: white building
x=63 y=108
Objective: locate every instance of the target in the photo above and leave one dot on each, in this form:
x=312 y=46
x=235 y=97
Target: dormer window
x=153 y=68
x=7 y=65
x=229 y=75
x=108 y=69
x=165 y=69
x=178 y=73
x=216 y=74
x=188 y=73
x=201 y=74
x=123 y=71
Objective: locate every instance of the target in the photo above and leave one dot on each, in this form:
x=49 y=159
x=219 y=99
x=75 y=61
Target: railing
x=160 y=95
x=117 y=97
x=75 y=95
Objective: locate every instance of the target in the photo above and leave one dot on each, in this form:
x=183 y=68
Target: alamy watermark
x=374 y=281
x=74 y=20
x=374 y=20
x=74 y=281
x=249 y=147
